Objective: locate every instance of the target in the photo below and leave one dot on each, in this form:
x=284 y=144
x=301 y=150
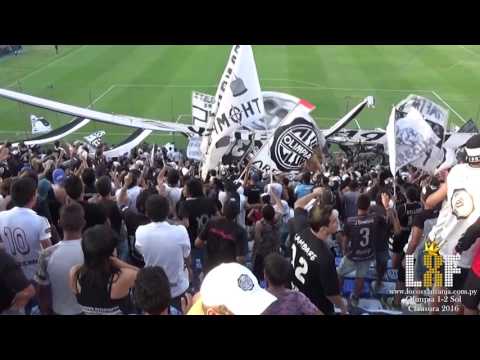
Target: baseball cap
x=235 y=287
x=58 y=176
x=43 y=188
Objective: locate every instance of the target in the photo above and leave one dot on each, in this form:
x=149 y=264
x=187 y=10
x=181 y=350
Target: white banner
x=351 y=115
x=415 y=142
x=202 y=107
x=435 y=115
x=193 y=149
x=134 y=140
x=95 y=138
x=239 y=103
x=39 y=125
x=292 y=143
x=392 y=155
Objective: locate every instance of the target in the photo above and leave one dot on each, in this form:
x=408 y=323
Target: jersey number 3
x=365 y=232
x=302 y=269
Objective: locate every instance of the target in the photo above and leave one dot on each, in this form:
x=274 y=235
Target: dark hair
x=194 y=188
x=413 y=194
x=306 y=178
x=6 y=186
x=353 y=185
x=72 y=217
x=157 y=208
x=268 y=213
x=319 y=216
x=23 y=191
x=363 y=202
x=142 y=199
x=231 y=208
x=266 y=199
x=73 y=187
x=152 y=290
x=135 y=176
x=173 y=177
x=88 y=176
x=429 y=189
x=97 y=246
x=277 y=270
x=104 y=186
x=31 y=174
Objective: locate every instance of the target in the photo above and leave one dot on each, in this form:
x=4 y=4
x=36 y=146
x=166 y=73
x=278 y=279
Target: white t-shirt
x=132 y=196
x=21 y=230
x=173 y=194
x=459 y=211
x=222 y=197
x=165 y=245
x=54 y=264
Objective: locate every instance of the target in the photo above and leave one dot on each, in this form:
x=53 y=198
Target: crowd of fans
x=143 y=234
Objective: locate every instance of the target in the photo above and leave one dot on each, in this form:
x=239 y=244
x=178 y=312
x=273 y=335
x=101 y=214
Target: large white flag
x=391 y=141
x=415 y=141
x=239 y=103
x=292 y=143
x=39 y=125
x=95 y=139
x=202 y=107
x=435 y=115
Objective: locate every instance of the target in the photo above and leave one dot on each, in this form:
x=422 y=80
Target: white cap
x=235 y=287
x=276 y=188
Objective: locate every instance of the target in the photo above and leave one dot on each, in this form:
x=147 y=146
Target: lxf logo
x=293 y=144
x=434 y=263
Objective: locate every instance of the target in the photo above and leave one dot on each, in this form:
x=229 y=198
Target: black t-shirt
x=12 y=280
x=225 y=240
x=425 y=215
x=198 y=211
x=315 y=272
x=253 y=192
x=94 y=214
x=110 y=208
x=406 y=213
x=89 y=192
x=133 y=220
x=362 y=232
x=42 y=209
x=384 y=231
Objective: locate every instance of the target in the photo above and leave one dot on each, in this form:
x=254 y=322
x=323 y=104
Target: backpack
x=270 y=239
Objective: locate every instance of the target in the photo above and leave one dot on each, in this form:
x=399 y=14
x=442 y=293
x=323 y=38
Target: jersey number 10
x=17 y=241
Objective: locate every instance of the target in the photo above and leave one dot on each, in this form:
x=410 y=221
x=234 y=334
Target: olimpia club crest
x=292 y=144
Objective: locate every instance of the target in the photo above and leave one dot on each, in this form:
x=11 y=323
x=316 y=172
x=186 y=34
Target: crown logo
x=432 y=248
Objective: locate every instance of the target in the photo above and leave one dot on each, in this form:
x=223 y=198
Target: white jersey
x=459 y=211
x=165 y=245
x=21 y=231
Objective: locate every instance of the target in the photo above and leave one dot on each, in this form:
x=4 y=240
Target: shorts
x=347 y=266
x=398 y=242
x=472 y=282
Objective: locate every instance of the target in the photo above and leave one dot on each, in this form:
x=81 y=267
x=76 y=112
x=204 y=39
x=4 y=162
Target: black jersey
x=407 y=212
x=362 y=232
x=313 y=263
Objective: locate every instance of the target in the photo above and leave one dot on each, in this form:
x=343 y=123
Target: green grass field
x=156 y=81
